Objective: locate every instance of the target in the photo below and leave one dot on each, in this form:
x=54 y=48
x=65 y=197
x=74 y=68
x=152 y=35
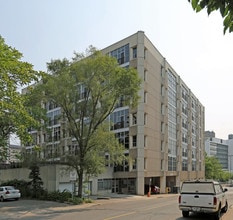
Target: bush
x=59 y=196
x=27 y=192
x=88 y=200
x=76 y=200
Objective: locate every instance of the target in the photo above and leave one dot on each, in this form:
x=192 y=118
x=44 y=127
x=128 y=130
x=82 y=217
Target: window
x=184 y=94
x=163 y=109
x=123 y=138
x=162 y=90
x=104 y=184
x=162 y=127
x=57 y=134
x=145 y=141
x=161 y=146
x=193 y=117
x=121 y=102
x=145 y=75
x=171 y=163
x=134 y=164
x=218 y=188
x=145 y=53
x=121 y=54
x=184 y=152
x=107 y=160
x=145 y=119
x=135 y=52
x=193 y=165
x=184 y=138
x=134 y=140
x=145 y=97
x=184 y=123
x=134 y=117
x=184 y=165
x=119 y=119
x=124 y=167
x=82 y=91
x=193 y=153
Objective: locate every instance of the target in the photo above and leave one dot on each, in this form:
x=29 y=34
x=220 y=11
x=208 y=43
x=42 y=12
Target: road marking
x=118 y=216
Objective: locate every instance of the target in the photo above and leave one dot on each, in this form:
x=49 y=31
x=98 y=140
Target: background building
x=13 y=152
x=164 y=135
x=218 y=148
x=230 y=152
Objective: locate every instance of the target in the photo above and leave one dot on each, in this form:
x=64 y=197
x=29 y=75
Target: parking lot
x=30 y=209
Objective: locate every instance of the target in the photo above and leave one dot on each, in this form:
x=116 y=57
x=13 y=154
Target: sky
x=192 y=43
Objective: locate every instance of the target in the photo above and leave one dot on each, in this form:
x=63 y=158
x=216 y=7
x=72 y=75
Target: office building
x=216 y=147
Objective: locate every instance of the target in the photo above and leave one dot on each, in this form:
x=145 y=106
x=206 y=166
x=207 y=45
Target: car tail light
x=215 y=201
x=179 y=199
x=7 y=192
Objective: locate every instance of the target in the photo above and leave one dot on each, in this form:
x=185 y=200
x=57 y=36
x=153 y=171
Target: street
x=164 y=206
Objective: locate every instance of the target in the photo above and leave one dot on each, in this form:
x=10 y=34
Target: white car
x=9 y=192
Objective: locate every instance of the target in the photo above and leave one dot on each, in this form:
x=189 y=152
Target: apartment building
x=163 y=136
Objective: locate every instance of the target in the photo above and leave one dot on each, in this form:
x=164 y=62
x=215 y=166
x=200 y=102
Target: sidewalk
x=228 y=215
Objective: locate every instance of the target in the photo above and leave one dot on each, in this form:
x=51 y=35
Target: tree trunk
x=80 y=183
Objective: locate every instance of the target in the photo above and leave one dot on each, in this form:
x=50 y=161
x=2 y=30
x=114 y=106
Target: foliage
x=224 y=6
x=213 y=170
x=87 y=89
x=36 y=183
x=27 y=159
x=14 y=73
x=59 y=196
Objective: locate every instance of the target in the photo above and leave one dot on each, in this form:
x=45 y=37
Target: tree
x=36 y=182
x=224 y=6
x=14 y=73
x=87 y=89
x=213 y=170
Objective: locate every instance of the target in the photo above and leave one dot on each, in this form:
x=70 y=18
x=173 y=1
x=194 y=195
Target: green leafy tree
x=36 y=182
x=213 y=168
x=87 y=89
x=14 y=116
x=224 y=6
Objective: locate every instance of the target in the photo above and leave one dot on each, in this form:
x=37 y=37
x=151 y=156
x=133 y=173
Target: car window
x=9 y=188
x=218 y=188
x=197 y=188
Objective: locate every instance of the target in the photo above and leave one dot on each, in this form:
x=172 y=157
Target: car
x=9 y=192
x=153 y=189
